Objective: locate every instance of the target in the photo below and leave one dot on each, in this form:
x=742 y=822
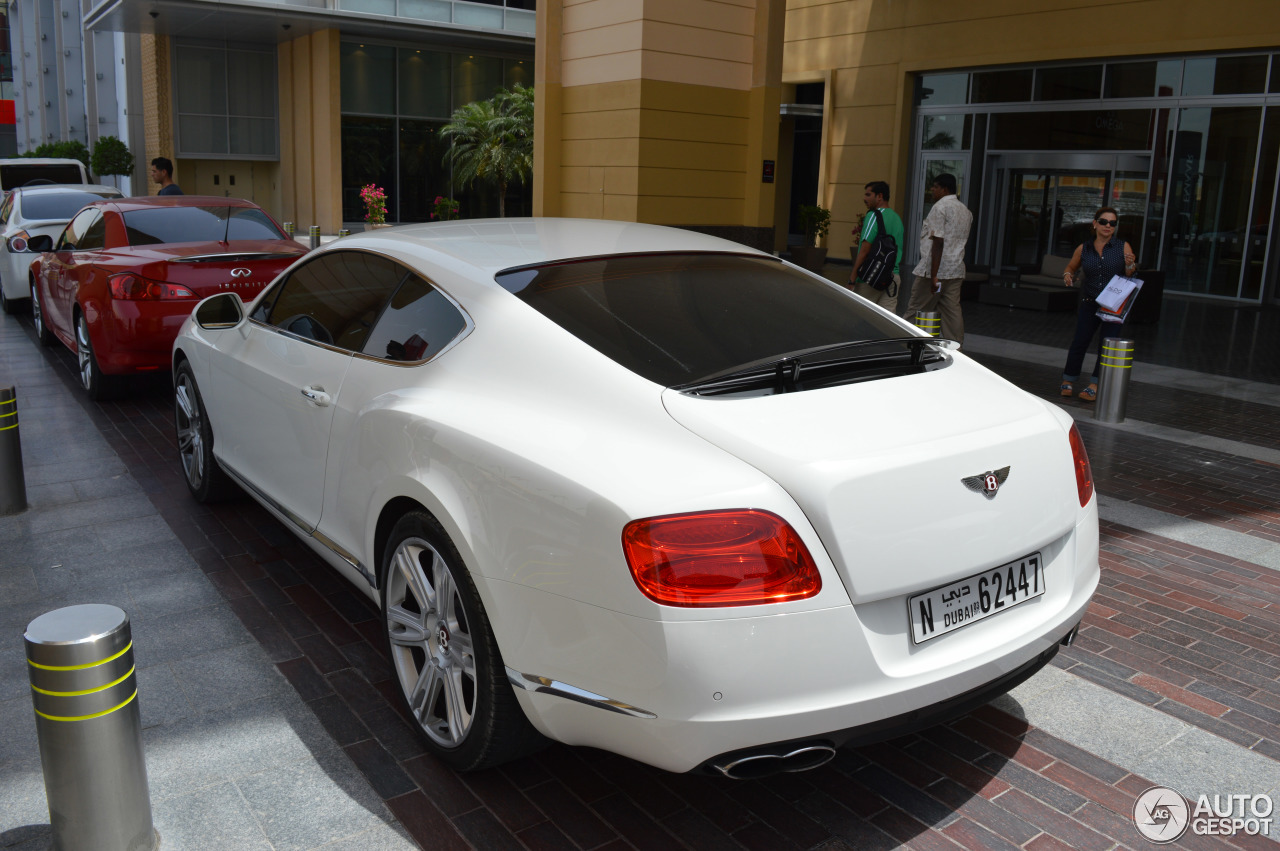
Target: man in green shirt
x=876 y=197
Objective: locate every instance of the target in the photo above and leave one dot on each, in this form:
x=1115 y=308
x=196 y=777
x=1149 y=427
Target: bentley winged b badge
x=987 y=483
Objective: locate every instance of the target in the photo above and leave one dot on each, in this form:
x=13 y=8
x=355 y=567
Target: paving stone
x=216 y=818
x=227 y=744
x=305 y=804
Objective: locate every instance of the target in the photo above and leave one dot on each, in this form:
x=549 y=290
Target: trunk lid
x=877 y=468
x=208 y=268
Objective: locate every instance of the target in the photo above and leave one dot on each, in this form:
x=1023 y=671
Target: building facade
x=1168 y=110
x=293 y=104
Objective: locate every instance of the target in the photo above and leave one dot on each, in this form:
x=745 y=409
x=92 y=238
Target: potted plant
x=444 y=209
x=814 y=223
x=375 y=205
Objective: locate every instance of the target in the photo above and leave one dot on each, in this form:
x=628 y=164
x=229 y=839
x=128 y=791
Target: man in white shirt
x=940 y=272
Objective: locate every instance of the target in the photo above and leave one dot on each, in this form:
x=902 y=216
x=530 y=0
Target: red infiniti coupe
x=117 y=284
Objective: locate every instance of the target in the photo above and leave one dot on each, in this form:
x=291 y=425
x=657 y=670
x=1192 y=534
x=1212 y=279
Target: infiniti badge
x=987 y=483
x=241 y=272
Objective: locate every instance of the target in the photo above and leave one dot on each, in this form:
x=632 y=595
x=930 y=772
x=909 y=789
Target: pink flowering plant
x=375 y=204
x=444 y=209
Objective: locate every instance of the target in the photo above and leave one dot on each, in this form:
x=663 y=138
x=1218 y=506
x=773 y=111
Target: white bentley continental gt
x=645 y=490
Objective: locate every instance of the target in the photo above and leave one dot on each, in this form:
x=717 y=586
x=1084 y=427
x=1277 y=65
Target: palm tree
x=493 y=140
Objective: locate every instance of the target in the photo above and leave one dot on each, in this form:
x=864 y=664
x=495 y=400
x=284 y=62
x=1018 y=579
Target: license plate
x=950 y=607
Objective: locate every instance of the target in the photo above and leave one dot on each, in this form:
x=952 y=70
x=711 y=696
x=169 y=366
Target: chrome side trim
x=546 y=685
x=328 y=544
x=301 y=526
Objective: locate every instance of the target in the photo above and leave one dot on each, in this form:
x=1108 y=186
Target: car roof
x=147 y=202
x=492 y=245
x=39 y=161
x=47 y=188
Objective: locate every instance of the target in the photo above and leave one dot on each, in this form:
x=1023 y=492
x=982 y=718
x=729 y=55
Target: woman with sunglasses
x=1098 y=261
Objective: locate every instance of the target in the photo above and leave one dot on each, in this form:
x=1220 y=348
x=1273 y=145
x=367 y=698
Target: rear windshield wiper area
x=826 y=366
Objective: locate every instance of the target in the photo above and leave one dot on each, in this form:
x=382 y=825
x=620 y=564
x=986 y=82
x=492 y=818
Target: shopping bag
x=1117 y=298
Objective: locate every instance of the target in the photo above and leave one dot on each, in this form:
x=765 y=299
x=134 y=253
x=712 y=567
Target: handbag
x=1117 y=298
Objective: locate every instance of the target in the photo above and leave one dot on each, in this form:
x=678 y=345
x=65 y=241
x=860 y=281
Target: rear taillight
x=131 y=287
x=1084 y=474
x=719 y=558
x=18 y=242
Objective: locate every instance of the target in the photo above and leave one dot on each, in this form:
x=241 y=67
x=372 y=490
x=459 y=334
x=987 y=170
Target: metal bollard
x=929 y=321
x=13 y=484
x=288 y=228
x=1113 y=379
x=315 y=236
x=343 y=232
x=83 y=686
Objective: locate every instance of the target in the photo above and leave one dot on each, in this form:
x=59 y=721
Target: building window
x=225 y=101
x=395 y=100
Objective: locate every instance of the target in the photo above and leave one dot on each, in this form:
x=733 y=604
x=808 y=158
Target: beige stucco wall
x=157 y=106
x=657 y=111
x=869 y=50
x=311 y=131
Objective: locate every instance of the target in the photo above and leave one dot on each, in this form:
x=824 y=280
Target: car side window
x=418 y=322
x=335 y=298
x=75 y=230
x=6 y=209
x=95 y=236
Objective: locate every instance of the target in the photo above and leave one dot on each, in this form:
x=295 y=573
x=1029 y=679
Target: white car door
x=418 y=325
x=273 y=388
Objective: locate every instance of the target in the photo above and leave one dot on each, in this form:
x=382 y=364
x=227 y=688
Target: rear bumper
x=907 y=722
x=845 y=674
x=136 y=336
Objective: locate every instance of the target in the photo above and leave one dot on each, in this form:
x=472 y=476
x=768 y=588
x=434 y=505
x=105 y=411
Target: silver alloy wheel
x=189 y=424
x=431 y=642
x=84 y=353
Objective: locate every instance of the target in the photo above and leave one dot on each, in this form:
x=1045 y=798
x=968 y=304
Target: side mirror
x=35 y=245
x=224 y=310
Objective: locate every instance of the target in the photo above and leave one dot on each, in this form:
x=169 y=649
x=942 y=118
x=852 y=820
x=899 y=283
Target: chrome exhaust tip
x=1070 y=637
x=756 y=765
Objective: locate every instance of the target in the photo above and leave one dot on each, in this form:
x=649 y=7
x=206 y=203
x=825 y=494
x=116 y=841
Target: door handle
x=316 y=395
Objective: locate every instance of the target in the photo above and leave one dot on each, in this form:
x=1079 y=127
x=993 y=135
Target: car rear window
x=19 y=174
x=59 y=206
x=677 y=318
x=198 y=224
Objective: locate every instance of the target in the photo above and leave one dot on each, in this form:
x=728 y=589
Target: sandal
x=1066 y=389
x=1089 y=393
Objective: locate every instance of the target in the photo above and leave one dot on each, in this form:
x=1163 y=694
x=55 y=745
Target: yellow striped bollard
x=85 y=693
x=13 y=484
x=929 y=321
x=1115 y=365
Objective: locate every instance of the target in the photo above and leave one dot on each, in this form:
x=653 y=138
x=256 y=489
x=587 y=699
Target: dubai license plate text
x=950 y=607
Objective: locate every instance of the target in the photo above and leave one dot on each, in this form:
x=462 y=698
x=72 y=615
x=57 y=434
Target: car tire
x=43 y=334
x=205 y=479
x=465 y=708
x=97 y=384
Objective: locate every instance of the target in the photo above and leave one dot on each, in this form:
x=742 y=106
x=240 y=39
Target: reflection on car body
x=642 y=489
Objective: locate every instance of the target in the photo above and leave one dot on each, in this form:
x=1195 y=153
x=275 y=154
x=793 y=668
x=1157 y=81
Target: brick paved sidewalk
x=1175 y=629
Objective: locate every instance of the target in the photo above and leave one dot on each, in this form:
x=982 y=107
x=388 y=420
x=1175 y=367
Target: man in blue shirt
x=162 y=173
x=876 y=196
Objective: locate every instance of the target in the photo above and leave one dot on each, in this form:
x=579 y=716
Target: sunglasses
x=1107 y=223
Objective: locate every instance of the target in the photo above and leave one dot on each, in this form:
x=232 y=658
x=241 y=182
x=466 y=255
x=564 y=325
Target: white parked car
x=35 y=211
x=645 y=490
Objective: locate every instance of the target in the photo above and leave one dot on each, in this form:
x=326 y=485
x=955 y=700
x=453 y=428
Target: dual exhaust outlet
x=792 y=758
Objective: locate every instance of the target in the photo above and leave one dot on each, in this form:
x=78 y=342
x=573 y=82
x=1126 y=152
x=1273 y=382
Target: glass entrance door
x=1049 y=212
x=1048 y=200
